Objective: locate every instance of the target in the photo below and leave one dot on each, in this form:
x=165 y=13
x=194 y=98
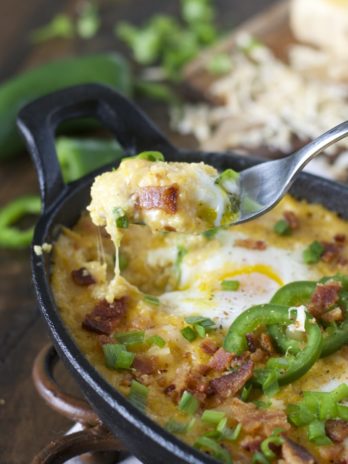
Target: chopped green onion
x=205 y=322
x=189 y=334
x=313 y=253
x=153 y=300
x=232 y=435
x=213 y=417
x=272 y=440
x=246 y=392
x=61 y=26
x=151 y=156
x=210 y=233
x=226 y=177
x=299 y=415
x=216 y=450
x=282 y=227
x=317 y=433
x=120 y=218
x=222 y=425
x=188 y=403
x=230 y=285
x=174 y=426
x=220 y=64
x=130 y=338
x=262 y=404
x=200 y=330
x=156 y=340
x=268 y=379
x=138 y=395
x=88 y=22
x=117 y=356
x=259 y=458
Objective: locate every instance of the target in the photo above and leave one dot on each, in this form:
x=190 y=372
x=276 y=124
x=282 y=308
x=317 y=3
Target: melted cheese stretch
x=200 y=202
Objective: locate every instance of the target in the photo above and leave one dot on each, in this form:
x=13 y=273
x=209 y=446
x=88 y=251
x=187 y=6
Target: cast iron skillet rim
x=73 y=354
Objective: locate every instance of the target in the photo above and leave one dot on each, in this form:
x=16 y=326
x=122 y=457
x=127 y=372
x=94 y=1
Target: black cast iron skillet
x=63 y=204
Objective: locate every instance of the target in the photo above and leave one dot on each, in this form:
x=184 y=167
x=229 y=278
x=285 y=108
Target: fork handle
x=314 y=148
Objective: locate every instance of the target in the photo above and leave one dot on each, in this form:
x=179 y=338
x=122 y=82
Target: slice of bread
x=322 y=23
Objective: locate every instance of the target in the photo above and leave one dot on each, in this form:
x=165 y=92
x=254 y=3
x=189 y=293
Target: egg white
x=260 y=273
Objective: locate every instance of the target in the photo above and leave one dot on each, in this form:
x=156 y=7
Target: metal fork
x=263 y=186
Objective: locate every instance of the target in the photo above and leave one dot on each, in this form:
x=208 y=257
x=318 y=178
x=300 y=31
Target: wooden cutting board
x=271 y=27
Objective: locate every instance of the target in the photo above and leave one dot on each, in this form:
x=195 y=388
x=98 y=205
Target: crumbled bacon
x=293 y=453
x=340 y=238
x=332 y=252
x=335 y=315
x=144 y=365
x=251 y=342
x=209 y=346
x=158 y=197
x=221 y=360
x=260 y=356
x=324 y=298
x=82 y=277
x=251 y=443
x=332 y=453
x=291 y=219
x=251 y=244
x=337 y=430
x=105 y=316
x=258 y=421
x=230 y=384
x=266 y=343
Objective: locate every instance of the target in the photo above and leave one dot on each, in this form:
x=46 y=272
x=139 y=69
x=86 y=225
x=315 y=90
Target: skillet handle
x=39 y=120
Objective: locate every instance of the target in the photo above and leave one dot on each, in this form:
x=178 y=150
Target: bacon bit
x=335 y=315
x=144 y=365
x=82 y=277
x=258 y=421
x=332 y=252
x=238 y=360
x=251 y=244
x=337 y=430
x=169 y=390
x=197 y=384
x=251 y=444
x=266 y=343
x=332 y=453
x=325 y=296
x=221 y=360
x=209 y=346
x=293 y=453
x=251 y=342
x=259 y=356
x=340 y=238
x=291 y=219
x=105 y=340
x=230 y=384
x=165 y=198
x=105 y=316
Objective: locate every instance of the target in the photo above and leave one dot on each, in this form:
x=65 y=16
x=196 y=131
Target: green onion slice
x=130 y=338
x=120 y=218
x=156 y=340
x=138 y=395
x=188 y=403
x=153 y=300
x=216 y=450
x=117 y=356
x=151 y=156
x=213 y=417
x=230 y=285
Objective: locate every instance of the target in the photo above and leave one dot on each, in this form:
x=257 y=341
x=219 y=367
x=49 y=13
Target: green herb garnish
x=216 y=450
x=230 y=285
x=313 y=253
x=120 y=218
x=156 y=340
x=151 y=156
x=189 y=334
x=282 y=227
x=153 y=300
x=130 y=338
x=188 y=403
x=212 y=417
x=138 y=395
x=117 y=356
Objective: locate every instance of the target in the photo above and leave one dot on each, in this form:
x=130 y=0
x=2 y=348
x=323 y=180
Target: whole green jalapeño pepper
x=290 y=367
x=300 y=293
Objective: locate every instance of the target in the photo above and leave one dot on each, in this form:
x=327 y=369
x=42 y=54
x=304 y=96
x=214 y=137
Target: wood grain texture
x=26 y=423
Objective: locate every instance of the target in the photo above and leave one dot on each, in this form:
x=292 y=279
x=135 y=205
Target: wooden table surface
x=26 y=423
